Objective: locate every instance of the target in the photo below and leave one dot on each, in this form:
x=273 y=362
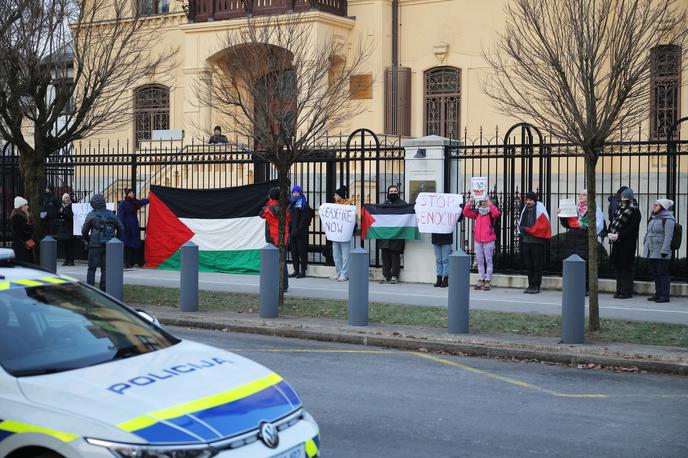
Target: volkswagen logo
x=269 y=435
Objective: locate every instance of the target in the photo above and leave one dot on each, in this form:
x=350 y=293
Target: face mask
x=483 y=210
x=393 y=196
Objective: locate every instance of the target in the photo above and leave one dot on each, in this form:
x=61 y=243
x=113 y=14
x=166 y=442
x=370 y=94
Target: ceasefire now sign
x=338 y=221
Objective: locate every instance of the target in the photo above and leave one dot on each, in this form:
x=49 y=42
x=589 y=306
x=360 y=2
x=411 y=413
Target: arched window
x=151 y=110
x=665 y=101
x=442 y=90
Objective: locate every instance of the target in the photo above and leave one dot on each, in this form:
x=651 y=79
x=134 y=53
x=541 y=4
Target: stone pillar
x=424 y=165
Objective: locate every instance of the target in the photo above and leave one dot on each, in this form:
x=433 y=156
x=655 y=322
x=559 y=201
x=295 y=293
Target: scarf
x=621 y=217
x=582 y=210
x=134 y=203
x=298 y=202
x=529 y=217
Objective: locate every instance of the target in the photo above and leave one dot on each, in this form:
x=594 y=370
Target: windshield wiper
x=126 y=352
x=41 y=371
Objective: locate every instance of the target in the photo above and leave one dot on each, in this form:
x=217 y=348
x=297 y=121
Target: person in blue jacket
x=127 y=213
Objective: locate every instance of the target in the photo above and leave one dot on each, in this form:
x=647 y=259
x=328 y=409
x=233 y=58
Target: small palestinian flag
x=542 y=228
x=386 y=222
x=224 y=223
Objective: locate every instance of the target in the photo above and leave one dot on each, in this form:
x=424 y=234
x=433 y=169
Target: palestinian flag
x=386 y=222
x=224 y=223
x=542 y=228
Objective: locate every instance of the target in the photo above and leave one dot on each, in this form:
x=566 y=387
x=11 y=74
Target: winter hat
x=343 y=192
x=98 y=202
x=621 y=190
x=665 y=203
x=628 y=194
x=127 y=191
x=66 y=194
x=531 y=195
x=20 y=202
x=296 y=189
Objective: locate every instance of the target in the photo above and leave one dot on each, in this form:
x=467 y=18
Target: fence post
x=114 y=270
x=49 y=254
x=188 y=290
x=573 y=300
x=269 y=281
x=359 y=266
x=459 y=292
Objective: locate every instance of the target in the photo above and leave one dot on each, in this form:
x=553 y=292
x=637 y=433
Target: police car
x=82 y=375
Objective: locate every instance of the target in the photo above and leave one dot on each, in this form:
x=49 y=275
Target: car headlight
x=152 y=451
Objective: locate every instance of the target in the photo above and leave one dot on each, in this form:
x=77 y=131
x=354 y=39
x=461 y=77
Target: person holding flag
x=534 y=229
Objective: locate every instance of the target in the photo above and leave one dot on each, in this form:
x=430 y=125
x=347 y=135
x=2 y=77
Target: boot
x=294 y=274
x=478 y=286
x=438 y=283
x=486 y=285
x=301 y=274
x=445 y=282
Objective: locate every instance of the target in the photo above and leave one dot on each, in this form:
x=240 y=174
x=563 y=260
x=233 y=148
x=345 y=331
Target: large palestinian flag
x=385 y=222
x=224 y=223
x=542 y=228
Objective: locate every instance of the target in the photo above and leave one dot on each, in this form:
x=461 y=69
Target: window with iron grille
x=151 y=110
x=149 y=7
x=442 y=101
x=665 y=90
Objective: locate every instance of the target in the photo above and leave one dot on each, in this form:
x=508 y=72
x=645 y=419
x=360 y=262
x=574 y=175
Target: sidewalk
x=627 y=357
x=498 y=299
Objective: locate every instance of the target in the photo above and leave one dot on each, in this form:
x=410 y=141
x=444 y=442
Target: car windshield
x=61 y=327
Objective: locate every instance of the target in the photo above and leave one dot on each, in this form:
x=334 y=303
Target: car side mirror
x=148 y=317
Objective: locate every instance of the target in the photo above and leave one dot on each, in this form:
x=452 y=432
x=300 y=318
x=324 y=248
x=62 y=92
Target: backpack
x=677 y=236
x=105 y=226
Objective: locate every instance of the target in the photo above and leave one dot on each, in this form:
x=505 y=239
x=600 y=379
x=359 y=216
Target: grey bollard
x=49 y=254
x=359 y=266
x=269 y=281
x=114 y=268
x=459 y=292
x=188 y=288
x=573 y=300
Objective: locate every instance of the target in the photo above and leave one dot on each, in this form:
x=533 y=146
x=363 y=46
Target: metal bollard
x=49 y=254
x=188 y=288
x=114 y=268
x=573 y=300
x=269 y=281
x=359 y=266
x=459 y=292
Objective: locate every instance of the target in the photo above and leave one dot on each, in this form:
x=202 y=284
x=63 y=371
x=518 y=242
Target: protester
x=301 y=215
x=340 y=250
x=127 y=213
x=22 y=230
x=441 y=244
x=271 y=213
x=534 y=229
x=50 y=206
x=657 y=247
x=484 y=237
x=217 y=136
x=392 y=248
x=101 y=226
x=614 y=202
x=623 y=236
x=577 y=228
x=65 y=231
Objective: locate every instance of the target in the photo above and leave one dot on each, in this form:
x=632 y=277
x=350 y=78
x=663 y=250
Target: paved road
x=498 y=299
x=373 y=402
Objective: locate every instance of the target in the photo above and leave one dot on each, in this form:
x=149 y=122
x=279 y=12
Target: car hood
x=186 y=393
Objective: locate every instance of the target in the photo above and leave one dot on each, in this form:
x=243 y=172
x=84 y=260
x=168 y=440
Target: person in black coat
x=50 y=207
x=392 y=248
x=65 y=231
x=301 y=215
x=623 y=237
x=22 y=230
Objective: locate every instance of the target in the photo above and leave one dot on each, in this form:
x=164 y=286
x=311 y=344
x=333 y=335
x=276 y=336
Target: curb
x=415 y=344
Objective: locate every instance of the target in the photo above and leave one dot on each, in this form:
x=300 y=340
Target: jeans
x=483 y=255
x=533 y=254
x=340 y=251
x=660 y=271
x=391 y=263
x=442 y=253
x=96 y=258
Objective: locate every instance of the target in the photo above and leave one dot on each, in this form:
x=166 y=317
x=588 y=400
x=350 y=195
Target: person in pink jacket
x=484 y=236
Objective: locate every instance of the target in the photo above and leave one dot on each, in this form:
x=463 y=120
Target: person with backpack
x=301 y=215
x=658 y=246
x=623 y=236
x=484 y=236
x=101 y=226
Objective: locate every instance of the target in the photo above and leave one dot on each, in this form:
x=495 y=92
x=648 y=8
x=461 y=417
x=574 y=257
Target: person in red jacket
x=484 y=236
x=270 y=213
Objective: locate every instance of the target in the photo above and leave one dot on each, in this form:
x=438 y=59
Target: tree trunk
x=283 y=179
x=33 y=174
x=593 y=251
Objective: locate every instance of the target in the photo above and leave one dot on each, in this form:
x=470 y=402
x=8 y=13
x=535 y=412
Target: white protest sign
x=568 y=208
x=479 y=188
x=338 y=221
x=437 y=212
x=81 y=210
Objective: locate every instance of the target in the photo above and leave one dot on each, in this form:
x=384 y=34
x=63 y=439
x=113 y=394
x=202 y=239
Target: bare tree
x=280 y=84
x=582 y=69
x=66 y=69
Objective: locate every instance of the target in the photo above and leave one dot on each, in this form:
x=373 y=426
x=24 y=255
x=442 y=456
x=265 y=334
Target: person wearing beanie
x=623 y=236
x=271 y=213
x=301 y=215
x=65 y=231
x=127 y=213
x=534 y=230
x=217 y=136
x=100 y=226
x=392 y=248
x=340 y=250
x=657 y=247
x=614 y=202
x=22 y=230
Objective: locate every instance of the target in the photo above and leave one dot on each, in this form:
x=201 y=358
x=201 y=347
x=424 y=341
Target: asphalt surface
x=498 y=299
x=374 y=402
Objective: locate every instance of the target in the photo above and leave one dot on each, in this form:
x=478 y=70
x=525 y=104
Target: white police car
x=82 y=375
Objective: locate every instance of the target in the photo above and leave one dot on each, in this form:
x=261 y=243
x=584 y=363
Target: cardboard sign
x=479 y=188
x=568 y=208
x=437 y=212
x=338 y=221
x=81 y=210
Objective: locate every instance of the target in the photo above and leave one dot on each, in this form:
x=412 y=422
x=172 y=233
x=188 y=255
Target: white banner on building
x=81 y=210
x=338 y=221
x=437 y=212
x=479 y=188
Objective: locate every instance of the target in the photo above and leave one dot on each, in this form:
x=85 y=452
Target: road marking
x=305 y=350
